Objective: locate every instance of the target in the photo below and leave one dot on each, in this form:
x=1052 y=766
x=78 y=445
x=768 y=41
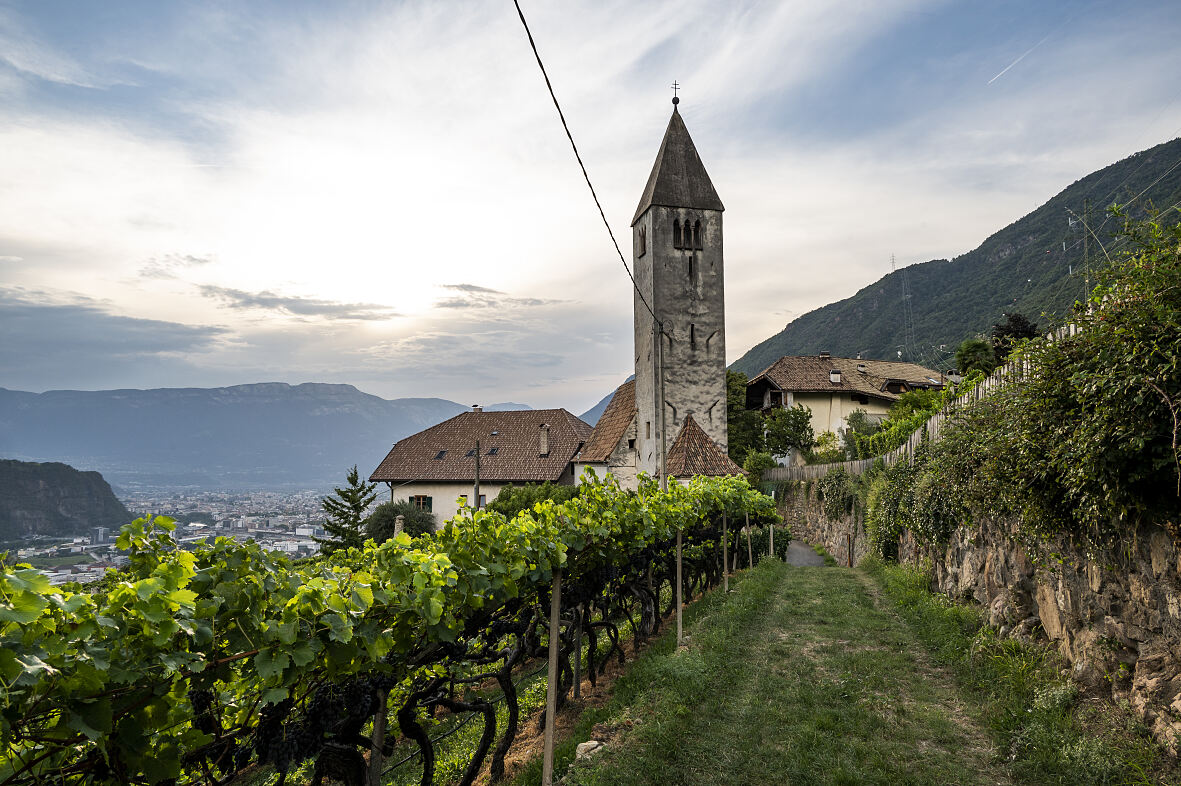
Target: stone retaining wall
x=1116 y=621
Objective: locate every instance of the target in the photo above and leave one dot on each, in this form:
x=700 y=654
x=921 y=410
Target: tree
x=513 y=499
x=975 y=354
x=744 y=426
x=827 y=450
x=346 y=514
x=755 y=464
x=1006 y=334
x=789 y=428
x=416 y=521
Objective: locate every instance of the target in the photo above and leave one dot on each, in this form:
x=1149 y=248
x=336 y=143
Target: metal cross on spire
x=675 y=88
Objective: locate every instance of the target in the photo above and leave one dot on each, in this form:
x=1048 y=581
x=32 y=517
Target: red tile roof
x=694 y=453
x=810 y=374
x=510 y=448
x=612 y=424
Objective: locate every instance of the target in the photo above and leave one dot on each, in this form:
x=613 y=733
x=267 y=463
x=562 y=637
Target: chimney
x=861 y=367
x=477 y=408
x=544 y=439
x=824 y=353
x=834 y=376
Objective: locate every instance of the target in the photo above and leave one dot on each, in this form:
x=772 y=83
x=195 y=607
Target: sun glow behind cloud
x=305 y=182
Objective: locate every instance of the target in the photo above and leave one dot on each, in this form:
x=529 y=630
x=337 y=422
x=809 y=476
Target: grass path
x=798 y=676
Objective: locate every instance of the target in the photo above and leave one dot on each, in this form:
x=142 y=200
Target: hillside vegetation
x=1022 y=268
x=54 y=499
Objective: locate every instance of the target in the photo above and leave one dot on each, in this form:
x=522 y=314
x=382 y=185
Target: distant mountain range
x=1034 y=266
x=268 y=435
x=54 y=499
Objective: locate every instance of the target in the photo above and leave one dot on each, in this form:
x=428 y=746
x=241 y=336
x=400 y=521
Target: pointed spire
x=678 y=177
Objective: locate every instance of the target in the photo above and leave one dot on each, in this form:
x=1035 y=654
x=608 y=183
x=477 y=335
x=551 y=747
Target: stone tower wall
x=685 y=287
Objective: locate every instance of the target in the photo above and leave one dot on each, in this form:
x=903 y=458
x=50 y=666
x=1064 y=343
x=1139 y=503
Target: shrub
x=380 y=526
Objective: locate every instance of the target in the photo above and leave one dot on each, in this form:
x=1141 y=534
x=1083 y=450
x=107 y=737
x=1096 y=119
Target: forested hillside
x=1034 y=266
x=54 y=499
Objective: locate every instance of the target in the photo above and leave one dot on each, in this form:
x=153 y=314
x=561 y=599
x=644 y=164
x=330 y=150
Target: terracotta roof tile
x=612 y=424
x=810 y=374
x=694 y=453
x=510 y=448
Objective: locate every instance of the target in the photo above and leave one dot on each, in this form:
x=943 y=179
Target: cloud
x=165 y=267
x=482 y=297
x=10 y=260
x=24 y=52
x=295 y=306
x=53 y=340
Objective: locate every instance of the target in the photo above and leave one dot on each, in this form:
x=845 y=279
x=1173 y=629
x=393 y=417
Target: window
x=643 y=242
x=692 y=335
x=648 y=430
x=423 y=502
x=696 y=233
x=440 y=454
x=470 y=453
x=860 y=399
x=677 y=233
x=492 y=451
x=483 y=500
x=691 y=266
x=631 y=444
x=463 y=500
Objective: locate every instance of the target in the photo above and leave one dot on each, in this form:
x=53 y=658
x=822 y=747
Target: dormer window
x=696 y=234
x=677 y=243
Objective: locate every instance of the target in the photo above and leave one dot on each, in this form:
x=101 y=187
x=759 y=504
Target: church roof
x=678 y=177
x=612 y=424
x=694 y=453
x=510 y=444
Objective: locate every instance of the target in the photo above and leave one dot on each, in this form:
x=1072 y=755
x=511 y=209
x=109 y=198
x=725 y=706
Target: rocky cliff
x=55 y=499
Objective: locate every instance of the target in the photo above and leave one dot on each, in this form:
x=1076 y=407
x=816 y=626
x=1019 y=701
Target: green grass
x=1034 y=714
x=794 y=677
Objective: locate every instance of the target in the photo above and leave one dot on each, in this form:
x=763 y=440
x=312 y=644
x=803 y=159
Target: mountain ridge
x=1033 y=266
x=257 y=435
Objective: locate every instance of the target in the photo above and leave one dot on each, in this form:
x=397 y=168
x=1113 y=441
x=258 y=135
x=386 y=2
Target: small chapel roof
x=694 y=453
x=612 y=424
x=678 y=177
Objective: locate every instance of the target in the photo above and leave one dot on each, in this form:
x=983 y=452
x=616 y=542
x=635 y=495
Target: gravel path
x=803 y=556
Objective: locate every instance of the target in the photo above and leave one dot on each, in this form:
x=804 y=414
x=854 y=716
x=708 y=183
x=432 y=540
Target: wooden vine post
x=750 y=549
x=378 y=739
x=578 y=612
x=680 y=600
x=771 y=544
x=725 y=556
x=551 y=687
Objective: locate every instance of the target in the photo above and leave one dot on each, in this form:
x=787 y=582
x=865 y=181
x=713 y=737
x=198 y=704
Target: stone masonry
x=1116 y=620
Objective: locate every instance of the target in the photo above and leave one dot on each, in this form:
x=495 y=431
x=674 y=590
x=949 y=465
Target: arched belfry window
x=677 y=233
x=696 y=234
x=643 y=242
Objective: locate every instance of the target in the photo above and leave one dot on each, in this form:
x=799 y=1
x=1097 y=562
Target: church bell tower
x=680 y=311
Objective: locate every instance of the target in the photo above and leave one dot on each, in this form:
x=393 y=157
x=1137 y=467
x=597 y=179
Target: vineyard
x=190 y=667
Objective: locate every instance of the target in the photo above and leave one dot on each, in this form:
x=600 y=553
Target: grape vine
x=188 y=666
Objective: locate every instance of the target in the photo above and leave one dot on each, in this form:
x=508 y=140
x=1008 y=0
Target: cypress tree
x=346 y=514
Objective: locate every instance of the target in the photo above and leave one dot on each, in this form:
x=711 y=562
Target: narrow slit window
x=677 y=233
x=692 y=267
x=643 y=241
x=692 y=335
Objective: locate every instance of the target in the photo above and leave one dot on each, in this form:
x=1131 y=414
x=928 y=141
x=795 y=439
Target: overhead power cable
x=582 y=166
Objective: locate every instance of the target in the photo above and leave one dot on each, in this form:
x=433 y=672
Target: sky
x=198 y=194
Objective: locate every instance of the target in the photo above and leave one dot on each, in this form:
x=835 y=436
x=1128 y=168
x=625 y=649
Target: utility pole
x=476 y=491
x=1086 y=249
